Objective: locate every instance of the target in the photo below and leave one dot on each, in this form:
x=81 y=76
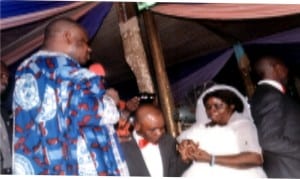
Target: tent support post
x=133 y=46
x=244 y=67
x=165 y=94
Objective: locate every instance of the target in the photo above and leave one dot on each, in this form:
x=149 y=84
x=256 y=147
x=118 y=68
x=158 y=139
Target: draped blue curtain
x=11 y=8
x=200 y=70
x=93 y=20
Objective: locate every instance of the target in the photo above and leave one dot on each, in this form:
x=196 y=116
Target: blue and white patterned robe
x=58 y=108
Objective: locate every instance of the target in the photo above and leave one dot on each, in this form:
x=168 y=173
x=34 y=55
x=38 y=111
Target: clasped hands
x=190 y=151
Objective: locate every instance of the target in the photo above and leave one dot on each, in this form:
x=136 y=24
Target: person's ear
x=232 y=107
x=278 y=70
x=137 y=126
x=276 y=67
x=68 y=37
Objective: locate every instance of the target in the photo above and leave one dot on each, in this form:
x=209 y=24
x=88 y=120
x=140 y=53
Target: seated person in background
x=223 y=142
x=150 y=151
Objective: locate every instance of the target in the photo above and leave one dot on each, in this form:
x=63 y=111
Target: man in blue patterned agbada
x=58 y=107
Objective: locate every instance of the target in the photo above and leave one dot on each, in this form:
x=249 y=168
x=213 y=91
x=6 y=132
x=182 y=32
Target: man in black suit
x=5 y=126
x=150 y=151
x=277 y=118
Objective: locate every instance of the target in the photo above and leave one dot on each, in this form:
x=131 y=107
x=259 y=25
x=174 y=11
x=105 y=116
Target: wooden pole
x=165 y=94
x=244 y=67
x=133 y=46
x=241 y=56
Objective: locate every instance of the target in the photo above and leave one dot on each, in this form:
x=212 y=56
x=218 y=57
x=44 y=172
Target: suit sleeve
x=177 y=166
x=268 y=113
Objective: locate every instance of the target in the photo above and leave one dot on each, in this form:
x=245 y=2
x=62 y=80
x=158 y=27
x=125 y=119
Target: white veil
x=201 y=116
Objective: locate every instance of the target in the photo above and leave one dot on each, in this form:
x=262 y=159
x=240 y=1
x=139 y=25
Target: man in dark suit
x=5 y=126
x=150 y=151
x=277 y=118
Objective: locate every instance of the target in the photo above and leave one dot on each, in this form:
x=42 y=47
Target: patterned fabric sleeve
x=56 y=103
x=86 y=111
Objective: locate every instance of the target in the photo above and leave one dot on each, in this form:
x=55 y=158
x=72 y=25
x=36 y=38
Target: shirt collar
x=273 y=83
x=136 y=136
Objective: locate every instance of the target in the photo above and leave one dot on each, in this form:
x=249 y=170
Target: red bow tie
x=142 y=143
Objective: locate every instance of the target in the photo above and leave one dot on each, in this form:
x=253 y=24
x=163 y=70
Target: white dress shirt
x=152 y=157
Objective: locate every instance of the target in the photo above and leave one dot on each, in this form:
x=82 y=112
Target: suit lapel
x=136 y=163
x=164 y=155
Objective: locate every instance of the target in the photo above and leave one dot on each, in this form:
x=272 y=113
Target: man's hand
x=132 y=104
x=200 y=156
x=186 y=149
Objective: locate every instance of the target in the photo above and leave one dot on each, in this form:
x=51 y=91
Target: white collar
x=52 y=53
x=136 y=136
x=273 y=83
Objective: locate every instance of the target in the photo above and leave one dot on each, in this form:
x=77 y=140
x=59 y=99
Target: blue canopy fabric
x=88 y=14
x=91 y=16
x=16 y=8
x=209 y=66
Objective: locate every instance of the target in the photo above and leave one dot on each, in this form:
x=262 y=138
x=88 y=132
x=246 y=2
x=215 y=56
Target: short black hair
x=228 y=97
x=58 y=24
x=266 y=60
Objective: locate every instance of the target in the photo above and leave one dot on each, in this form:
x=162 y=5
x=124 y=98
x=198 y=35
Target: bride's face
x=218 y=111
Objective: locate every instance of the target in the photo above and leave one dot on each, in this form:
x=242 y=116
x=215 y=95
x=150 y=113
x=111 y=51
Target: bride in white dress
x=223 y=142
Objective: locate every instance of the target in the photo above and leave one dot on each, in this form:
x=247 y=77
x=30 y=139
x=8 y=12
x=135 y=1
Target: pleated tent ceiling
x=195 y=37
x=31 y=17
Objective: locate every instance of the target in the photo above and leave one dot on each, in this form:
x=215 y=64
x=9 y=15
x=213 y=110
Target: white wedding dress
x=239 y=135
x=219 y=141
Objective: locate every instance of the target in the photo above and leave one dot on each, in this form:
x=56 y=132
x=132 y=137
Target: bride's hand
x=186 y=148
x=200 y=156
x=182 y=148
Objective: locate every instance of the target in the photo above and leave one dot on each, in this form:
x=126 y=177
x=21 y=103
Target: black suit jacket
x=173 y=166
x=277 y=118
